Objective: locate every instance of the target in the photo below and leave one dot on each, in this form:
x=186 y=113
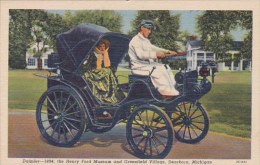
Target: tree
x=166 y=27
x=184 y=37
x=20 y=34
x=178 y=63
x=215 y=28
x=40 y=40
x=44 y=31
x=19 y=37
x=245 y=21
x=37 y=27
x=55 y=24
x=246 y=50
x=107 y=18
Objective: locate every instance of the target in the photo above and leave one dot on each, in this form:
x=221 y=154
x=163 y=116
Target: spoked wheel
x=190 y=121
x=60 y=116
x=146 y=137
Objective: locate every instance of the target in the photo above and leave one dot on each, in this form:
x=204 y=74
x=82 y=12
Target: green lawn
x=228 y=103
x=25 y=89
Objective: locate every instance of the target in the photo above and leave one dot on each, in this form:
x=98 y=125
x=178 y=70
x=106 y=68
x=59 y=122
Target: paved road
x=25 y=141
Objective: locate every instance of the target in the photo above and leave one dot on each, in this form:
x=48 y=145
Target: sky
x=187 y=21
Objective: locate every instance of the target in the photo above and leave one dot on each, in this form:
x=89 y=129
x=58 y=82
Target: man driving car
x=142 y=58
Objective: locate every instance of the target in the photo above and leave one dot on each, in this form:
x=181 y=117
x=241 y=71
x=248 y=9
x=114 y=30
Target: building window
x=210 y=55
x=199 y=62
x=31 y=62
x=45 y=62
x=235 y=64
x=200 y=56
x=227 y=63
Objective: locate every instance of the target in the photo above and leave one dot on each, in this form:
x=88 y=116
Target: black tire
x=60 y=116
x=149 y=139
x=190 y=122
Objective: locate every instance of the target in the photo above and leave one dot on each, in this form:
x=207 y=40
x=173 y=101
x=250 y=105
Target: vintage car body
x=69 y=108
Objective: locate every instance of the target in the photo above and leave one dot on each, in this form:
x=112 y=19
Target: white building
x=242 y=64
x=196 y=55
x=35 y=63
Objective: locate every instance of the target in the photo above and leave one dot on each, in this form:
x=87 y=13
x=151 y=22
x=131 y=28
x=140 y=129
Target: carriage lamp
x=204 y=71
x=179 y=77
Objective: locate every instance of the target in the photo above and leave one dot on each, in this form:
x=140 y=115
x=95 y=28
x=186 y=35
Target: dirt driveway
x=25 y=141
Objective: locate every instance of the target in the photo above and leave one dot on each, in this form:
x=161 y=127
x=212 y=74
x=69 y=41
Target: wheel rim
x=60 y=118
x=149 y=138
x=190 y=122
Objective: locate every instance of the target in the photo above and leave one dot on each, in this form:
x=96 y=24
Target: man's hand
x=160 y=55
x=167 y=54
x=170 y=53
x=173 y=53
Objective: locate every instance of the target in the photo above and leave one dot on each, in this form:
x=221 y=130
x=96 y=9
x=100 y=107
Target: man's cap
x=147 y=23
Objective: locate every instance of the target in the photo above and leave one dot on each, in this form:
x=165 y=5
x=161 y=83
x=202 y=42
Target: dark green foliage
x=38 y=27
x=177 y=64
x=54 y=25
x=19 y=37
x=184 y=37
x=245 y=21
x=107 y=18
x=22 y=36
x=247 y=46
x=215 y=28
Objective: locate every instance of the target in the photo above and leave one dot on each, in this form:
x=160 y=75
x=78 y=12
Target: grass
x=228 y=103
x=24 y=89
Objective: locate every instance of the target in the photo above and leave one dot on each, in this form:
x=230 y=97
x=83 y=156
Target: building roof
x=195 y=43
x=236 y=44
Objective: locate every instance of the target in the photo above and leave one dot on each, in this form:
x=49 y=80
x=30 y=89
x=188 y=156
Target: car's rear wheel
x=60 y=116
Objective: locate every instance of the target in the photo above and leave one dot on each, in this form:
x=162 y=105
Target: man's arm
x=158 y=49
x=136 y=48
x=162 y=53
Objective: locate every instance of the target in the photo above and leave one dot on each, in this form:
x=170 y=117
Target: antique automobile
x=70 y=106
